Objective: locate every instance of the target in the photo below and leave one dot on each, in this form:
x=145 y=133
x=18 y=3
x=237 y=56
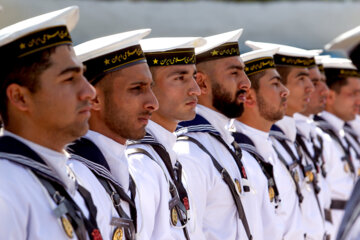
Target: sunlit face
x=300 y=87
x=346 y=103
x=128 y=101
x=62 y=104
x=176 y=90
x=318 y=97
x=271 y=97
x=229 y=86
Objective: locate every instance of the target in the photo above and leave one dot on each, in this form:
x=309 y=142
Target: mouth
x=85 y=109
x=144 y=119
x=191 y=103
x=241 y=96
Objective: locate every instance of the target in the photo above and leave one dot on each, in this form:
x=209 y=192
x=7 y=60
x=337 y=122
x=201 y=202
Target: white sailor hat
x=110 y=53
x=259 y=60
x=219 y=46
x=287 y=55
x=338 y=68
x=171 y=51
x=318 y=61
x=346 y=41
x=38 y=33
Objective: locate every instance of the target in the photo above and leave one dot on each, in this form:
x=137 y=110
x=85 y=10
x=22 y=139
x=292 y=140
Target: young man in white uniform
x=116 y=67
x=153 y=163
x=45 y=105
x=265 y=104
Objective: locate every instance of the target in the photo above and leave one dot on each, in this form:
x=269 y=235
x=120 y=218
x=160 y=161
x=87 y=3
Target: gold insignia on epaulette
x=310 y=175
x=296 y=176
x=271 y=193
x=238 y=185
x=118 y=234
x=174 y=216
x=69 y=230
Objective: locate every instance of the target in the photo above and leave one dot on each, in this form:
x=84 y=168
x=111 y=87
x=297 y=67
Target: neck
x=49 y=139
x=254 y=120
x=165 y=122
x=100 y=127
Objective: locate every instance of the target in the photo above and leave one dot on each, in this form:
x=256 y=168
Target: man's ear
x=250 y=100
x=330 y=99
x=97 y=101
x=203 y=82
x=19 y=97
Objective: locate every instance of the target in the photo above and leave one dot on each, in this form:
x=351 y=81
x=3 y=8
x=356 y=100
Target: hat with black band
x=169 y=51
x=258 y=60
x=38 y=33
x=111 y=53
x=219 y=46
x=337 y=69
x=287 y=55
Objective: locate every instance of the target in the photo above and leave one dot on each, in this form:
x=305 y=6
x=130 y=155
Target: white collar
x=164 y=137
x=258 y=137
x=304 y=124
x=288 y=126
x=333 y=120
x=114 y=154
x=57 y=161
x=219 y=121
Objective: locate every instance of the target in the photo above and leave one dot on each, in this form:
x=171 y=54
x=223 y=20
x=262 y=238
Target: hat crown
x=64 y=17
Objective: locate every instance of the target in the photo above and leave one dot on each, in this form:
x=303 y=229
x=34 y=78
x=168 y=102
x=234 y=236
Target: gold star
x=246 y=69
x=155 y=61
x=22 y=46
x=107 y=61
x=283 y=59
x=214 y=53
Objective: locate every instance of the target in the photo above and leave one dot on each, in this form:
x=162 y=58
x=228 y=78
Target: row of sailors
x=265 y=146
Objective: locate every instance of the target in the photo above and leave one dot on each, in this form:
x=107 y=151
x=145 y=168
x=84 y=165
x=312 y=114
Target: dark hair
x=254 y=79
x=24 y=71
x=284 y=73
x=355 y=56
x=335 y=83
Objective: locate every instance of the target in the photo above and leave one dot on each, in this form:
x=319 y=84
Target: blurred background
x=305 y=24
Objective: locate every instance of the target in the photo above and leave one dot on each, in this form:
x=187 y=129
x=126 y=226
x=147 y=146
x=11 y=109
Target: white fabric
x=288 y=214
x=170 y=43
x=312 y=219
x=25 y=205
x=307 y=128
x=64 y=17
x=355 y=124
x=104 y=45
x=151 y=178
x=215 y=207
x=114 y=155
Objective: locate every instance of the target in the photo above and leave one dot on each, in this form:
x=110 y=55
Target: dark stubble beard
x=269 y=112
x=223 y=102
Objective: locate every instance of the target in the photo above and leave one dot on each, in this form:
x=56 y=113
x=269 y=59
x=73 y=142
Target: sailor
x=265 y=104
x=224 y=190
x=116 y=67
x=314 y=143
x=343 y=81
x=293 y=66
x=44 y=106
x=152 y=160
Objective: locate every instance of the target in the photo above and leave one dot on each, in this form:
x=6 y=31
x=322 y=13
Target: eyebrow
x=237 y=67
x=300 y=74
x=76 y=69
x=275 y=77
x=182 y=72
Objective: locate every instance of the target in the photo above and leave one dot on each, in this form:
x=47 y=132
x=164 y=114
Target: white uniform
x=288 y=212
x=152 y=182
x=214 y=203
x=114 y=154
x=341 y=182
x=26 y=209
x=355 y=124
x=309 y=131
x=313 y=221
